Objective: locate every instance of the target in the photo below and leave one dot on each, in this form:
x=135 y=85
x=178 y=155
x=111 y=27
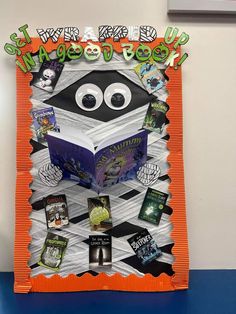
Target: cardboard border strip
x=23 y=282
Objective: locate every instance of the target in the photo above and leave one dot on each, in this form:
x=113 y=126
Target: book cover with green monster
x=155 y=119
x=53 y=251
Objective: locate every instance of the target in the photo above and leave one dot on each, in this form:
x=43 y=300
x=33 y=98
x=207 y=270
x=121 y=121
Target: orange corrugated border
x=23 y=282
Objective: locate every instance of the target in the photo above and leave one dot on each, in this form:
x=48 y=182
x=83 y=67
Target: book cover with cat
x=114 y=160
x=151 y=77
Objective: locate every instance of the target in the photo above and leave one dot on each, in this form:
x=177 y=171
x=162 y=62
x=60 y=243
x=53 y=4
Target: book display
x=100 y=198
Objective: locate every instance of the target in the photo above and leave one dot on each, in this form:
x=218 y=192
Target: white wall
x=209 y=85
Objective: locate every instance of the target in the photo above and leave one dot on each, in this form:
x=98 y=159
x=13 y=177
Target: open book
x=114 y=160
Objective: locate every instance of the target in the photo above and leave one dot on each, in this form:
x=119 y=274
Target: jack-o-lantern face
x=45 y=121
x=75 y=51
x=143 y=53
x=160 y=53
x=92 y=52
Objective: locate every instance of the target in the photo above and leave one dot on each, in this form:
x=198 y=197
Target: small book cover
x=155 y=119
x=151 y=77
x=56 y=211
x=44 y=120
x=53 y=251
x=100 y=213
x=100 y=254
x=48 y=75
x=114 y=160
x=144 y=246
x=152 y=207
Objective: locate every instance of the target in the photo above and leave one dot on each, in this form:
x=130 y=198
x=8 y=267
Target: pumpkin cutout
x=143 y=53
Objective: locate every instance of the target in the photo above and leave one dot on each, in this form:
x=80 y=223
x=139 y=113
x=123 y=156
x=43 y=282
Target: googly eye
x=89 y=97
x=117 y=96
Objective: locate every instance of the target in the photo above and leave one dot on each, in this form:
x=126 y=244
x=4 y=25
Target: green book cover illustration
x=53 y=251
x=100 y=213
x=153 y=205
x=155 y=119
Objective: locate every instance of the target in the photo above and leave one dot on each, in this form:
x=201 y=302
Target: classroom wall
x=209 y=107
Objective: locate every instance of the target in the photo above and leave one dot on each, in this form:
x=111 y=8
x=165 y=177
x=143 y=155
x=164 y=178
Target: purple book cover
x=76 y=162
x=44 y=121
x=113 y=164
x=120 y=161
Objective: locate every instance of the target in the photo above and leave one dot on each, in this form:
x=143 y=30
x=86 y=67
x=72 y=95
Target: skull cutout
x=92 y=52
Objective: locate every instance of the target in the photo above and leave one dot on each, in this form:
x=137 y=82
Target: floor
x=210 y=292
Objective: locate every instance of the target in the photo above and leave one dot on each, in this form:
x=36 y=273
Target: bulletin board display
x=106 y=235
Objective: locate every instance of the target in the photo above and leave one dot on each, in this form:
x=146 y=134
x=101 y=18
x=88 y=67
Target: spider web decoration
x=50 y=174
x=148 y=174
